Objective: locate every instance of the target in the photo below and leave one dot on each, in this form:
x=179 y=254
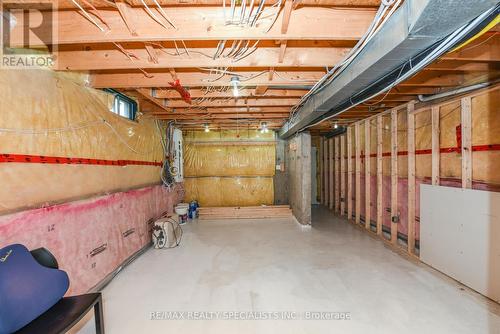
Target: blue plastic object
x=27 y=289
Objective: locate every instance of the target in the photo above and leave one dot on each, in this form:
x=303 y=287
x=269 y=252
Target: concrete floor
x=277 y=265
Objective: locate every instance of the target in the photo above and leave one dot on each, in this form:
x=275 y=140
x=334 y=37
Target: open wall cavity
x=372 y=174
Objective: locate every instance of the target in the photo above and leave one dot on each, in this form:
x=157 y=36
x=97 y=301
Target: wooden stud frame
x=435 y=145
x=380 y=175
x=411 y=179
x=349 y=173
x=394 y=177
x=325 y=171
x=367 y=176
x=321 y=177
x=337 y=174
x=466 y=121
x=331 y=194
x=358 y=174
x=342 y=174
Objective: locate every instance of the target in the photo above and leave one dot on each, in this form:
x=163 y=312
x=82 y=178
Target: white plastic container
x=181 y=209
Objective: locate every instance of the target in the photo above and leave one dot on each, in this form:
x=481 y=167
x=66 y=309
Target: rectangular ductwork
x=414 y=27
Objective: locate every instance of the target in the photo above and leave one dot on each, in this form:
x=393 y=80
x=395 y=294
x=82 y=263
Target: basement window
x=123 y=105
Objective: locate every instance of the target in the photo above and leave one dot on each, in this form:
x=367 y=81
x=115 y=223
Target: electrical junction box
x=178 y=156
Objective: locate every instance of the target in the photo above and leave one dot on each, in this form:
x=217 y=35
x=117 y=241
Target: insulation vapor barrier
x=68 y=120
x=229 y=168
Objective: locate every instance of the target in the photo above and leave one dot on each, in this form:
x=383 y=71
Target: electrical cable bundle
x=167 y=143
x=417 y=63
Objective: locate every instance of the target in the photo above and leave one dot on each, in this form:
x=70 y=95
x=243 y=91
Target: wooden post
x=342 y=174
x=466 y=119
x=367 y=176
x=325 y=171
x=435 y=145
x=331 y=195
x=337 y=174
x=394 y=177
x=349 y=173
x=411 y=178
x=380 y=209
x=358 y=173
x=321 y=178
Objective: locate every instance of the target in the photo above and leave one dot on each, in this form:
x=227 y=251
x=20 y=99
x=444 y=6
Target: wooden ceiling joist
x=67 y=4
x=198 y=79
x=262 y=57
x=200 y=93
x=197 y=23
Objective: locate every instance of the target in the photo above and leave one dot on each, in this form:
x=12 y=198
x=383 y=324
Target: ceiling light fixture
x=263 y=128
x=235 y=81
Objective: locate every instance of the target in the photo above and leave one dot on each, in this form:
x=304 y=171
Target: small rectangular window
x=123 y=105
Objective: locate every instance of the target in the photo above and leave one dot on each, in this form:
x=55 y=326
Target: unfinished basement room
x=250 y=166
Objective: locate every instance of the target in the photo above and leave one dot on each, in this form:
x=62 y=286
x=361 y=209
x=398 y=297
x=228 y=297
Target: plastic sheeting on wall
x=230 y=191
x=229 y=167
x=92 y=237
x=221 y=160
x=54 y=114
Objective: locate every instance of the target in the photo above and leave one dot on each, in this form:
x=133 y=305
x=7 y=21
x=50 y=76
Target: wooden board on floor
x=245 y=212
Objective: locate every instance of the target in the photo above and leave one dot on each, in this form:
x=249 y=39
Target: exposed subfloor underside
x=277 y=265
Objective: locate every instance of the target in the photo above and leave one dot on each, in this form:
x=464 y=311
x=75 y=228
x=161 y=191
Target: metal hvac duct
x=414 y=27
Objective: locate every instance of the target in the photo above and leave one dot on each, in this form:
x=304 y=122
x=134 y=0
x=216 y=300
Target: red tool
x=181 y=90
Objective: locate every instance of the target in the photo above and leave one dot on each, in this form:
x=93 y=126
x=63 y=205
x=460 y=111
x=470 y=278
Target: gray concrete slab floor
x=252 y=267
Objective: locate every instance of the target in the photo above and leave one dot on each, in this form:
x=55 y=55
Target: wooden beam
x=331 y=160
x=88 y=59
x=480 y=50
x=321 y=166
x=287 y=13
x=358 y=173
x=394 y=177
x=349 y=173
x=367 y=176
x=325 y=170
x=337 y=174
x=250 y=102
x=342 y=174
x=196 y=79
x=196 y=23
x=380 y=175
x=67 y=4
x=466 y=123
x=281 y=56
x=435 y=145
x=411 y=178
x=200 y=93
